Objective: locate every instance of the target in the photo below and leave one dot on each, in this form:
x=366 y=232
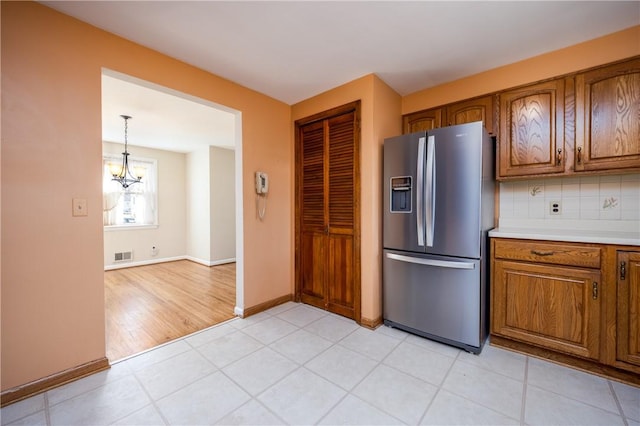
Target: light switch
x=80 y=207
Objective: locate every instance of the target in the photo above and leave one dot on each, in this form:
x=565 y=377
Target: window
x=134 y=206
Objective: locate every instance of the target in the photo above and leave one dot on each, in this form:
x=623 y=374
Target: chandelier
x=121 y=172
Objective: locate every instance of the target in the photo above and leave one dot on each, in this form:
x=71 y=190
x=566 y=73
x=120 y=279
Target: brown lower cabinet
x=574 y=303
x=628 y=310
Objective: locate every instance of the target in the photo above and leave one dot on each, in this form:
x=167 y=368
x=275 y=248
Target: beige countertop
x=617 y=237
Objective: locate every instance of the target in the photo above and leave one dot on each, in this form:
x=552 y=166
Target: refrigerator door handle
x=430 y=192
x=431 y=262
x=419 y=192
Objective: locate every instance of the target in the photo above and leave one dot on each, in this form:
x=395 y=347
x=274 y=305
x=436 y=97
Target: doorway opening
x=176 y=267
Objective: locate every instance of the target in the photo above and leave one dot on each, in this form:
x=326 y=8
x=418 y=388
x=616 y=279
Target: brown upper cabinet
x=582 y=123
x=532 y=130
x=608 y=117
x=477 y=109
x=422 y=120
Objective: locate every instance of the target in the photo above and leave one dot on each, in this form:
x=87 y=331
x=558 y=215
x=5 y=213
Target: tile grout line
x=575 y=399
x=47 y=412
x=333 y=407
x=257 y=401
x=251 y=396
x=192 y=348
x=379 y=363
x=444 y=379
x=615 y=398
x=524 y=391
x=299 y=367
x=467 y=398
x=382 y=363
x=219 y=368
x=153 y=401
x=255 y=398
x=348 y=392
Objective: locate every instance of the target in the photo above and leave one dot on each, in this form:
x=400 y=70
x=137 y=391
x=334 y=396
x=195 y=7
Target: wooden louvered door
x=327 y=213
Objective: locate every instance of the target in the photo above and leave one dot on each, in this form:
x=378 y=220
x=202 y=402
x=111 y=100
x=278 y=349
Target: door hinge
x=594 y=290
x=623 y=270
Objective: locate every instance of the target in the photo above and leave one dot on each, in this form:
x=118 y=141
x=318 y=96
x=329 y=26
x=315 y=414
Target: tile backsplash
x=604 y=198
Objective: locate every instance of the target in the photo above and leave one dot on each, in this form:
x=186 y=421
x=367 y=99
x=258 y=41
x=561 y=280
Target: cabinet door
x=480 y=109
x=608 y=117
x=422 y=120
x=532 y=130
x=628 y=312
x=553 y=307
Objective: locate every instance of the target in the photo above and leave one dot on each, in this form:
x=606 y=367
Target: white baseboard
x=142 y=263
x=168 y=259
x=238 y=311
x=223 y=261
x=210 y=262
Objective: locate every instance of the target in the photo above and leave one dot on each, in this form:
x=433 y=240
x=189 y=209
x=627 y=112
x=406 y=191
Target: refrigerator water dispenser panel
x=401 y=190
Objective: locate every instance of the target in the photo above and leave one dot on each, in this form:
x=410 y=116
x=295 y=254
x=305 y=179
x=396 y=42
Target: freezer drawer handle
x=432 y=262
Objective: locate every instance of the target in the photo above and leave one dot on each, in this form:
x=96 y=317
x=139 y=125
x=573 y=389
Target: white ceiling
x=162 y=118
x=292 y=50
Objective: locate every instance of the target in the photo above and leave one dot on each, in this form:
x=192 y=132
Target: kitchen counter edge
x=576 y=236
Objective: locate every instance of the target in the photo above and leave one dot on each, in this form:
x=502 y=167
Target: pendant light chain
x=126 y=128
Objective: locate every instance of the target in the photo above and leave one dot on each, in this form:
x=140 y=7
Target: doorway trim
x=239 y=211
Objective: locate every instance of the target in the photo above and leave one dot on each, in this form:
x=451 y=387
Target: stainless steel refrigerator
x=438 y=209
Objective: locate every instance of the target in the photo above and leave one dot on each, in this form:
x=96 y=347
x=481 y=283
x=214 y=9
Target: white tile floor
x=295 y=364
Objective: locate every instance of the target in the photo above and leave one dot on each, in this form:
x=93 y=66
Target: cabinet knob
x=579 y=160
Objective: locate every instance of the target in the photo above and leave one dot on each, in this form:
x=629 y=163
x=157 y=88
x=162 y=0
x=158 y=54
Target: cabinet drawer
x=541 y=252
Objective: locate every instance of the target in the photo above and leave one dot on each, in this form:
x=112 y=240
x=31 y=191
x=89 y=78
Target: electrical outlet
x=555 y=208
x=154 y=251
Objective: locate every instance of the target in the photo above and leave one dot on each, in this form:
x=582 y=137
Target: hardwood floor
x=150 y=305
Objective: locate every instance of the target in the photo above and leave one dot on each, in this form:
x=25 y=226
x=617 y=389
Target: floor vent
x=123 y=256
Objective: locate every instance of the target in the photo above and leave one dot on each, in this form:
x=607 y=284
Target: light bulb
x=115 y=169
x=139 y=171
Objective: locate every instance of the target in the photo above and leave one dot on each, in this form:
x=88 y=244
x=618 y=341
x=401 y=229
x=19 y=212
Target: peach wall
x=52 y=283
x=380 y=106
x=52 y=275
x=386 y=123
x=610 y=48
